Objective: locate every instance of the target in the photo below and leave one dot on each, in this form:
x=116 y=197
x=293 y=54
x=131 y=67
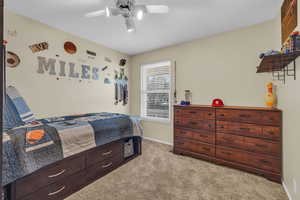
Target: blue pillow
x=11 y=116
x=22 y=108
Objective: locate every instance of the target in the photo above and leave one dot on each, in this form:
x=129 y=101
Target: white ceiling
x=187 y=20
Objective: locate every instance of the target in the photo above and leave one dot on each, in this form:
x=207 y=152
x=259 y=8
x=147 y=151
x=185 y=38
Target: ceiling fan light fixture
x=130 y=25
x=140 y=14
x=107 y=12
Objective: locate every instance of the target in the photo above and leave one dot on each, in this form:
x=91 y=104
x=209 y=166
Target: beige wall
x=46 y=95
x=289 y=102
x=220 y=66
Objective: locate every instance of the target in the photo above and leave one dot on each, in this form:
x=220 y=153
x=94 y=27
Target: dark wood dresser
x=246 y=138
x=65 y=177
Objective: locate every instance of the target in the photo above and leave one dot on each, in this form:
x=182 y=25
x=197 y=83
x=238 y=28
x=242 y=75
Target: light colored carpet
x=160 y=175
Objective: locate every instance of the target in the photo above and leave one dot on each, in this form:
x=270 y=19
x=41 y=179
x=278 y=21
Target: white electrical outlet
x=295 y=186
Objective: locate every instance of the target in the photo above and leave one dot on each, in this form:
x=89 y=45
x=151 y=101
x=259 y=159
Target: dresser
x=63 y=178
x=245 y=138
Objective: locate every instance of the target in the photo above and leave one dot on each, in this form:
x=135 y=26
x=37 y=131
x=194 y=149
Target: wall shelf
x=279 y=65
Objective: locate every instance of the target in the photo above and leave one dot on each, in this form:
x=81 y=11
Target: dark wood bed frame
x=61 y=179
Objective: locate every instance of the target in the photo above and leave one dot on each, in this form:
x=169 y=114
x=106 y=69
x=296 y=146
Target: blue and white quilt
x=39 y=143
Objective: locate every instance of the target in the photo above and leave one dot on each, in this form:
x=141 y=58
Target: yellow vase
x=270 y=99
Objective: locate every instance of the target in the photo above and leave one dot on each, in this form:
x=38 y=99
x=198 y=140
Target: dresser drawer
x=58 y=190
x=201 y=136
x=229 y=154
x=229 y=140
x=270 y=132
x=49 y=175
x=104 y=152
x=238 y=115
x=271 y=118
x=196 y=147
x=102 y=168
x=262 y=146
x=239 y=128
x=263 y=162
x=249 y=116
x=195 y=113
x=198 y=124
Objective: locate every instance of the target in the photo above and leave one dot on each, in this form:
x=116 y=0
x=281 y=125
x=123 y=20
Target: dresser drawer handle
x=206 y=148
x=245 y=129
x=106 y=166
x=265 y=162
x=271 y=132
x=261 y=145
x=179 y=143
x=183 y=132
x=58 y=174
x=221 y=126
x=227 y=153
x=193 y=112
x=58 y=191
x=209 y=114
x=245 y=116
x=107 y=153
x=209 y=125
x=222 y=115
x=193 y=123
x=203 y=136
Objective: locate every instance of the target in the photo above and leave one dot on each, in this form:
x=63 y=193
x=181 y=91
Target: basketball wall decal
x=70 y=47
x=12 y=59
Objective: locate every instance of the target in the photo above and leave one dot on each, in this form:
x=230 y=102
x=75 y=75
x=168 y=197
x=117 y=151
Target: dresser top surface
x=231 y=107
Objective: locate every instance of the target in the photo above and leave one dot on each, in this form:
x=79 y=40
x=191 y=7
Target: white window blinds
x=156 y=90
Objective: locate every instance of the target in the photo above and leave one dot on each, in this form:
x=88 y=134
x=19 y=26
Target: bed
x=74 y=145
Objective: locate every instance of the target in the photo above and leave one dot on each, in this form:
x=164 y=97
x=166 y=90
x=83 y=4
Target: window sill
x=162 y=121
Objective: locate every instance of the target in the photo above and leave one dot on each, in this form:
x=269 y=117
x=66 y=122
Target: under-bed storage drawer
x=102 y=168
x=105 y=152
x=49 y=175
x=58 y=190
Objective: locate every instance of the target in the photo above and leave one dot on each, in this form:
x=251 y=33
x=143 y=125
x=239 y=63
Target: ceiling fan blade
x=95 y=13
x=157 y=9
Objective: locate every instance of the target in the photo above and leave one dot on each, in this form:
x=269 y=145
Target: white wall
x=289 y=102
x=222 y=66
x=50 y=97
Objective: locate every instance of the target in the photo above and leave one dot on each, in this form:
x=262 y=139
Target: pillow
x=22 y=108
x=11 y=117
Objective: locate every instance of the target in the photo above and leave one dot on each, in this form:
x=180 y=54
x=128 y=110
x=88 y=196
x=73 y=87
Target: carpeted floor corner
x=160 y=175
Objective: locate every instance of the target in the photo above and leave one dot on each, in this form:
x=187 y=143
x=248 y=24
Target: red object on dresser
x=217 y=103
x=245 y=138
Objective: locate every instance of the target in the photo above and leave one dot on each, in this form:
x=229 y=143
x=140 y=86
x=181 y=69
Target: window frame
x=143 y=91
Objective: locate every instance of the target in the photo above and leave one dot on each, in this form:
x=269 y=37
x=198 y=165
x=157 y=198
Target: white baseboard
x=156 y=140
x=286 y=190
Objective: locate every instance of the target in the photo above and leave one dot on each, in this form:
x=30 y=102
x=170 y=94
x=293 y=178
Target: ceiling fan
x=130 y=10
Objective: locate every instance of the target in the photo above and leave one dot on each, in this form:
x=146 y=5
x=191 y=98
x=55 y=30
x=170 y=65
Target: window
x=156 y=84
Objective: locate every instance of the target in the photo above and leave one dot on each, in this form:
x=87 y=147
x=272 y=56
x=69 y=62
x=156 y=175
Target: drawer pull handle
x=193 y=123
x=245 y=116
x=245 y=129
x=209 y=114
x=183 y=132
x=179 y=143
x=206 y=148
x=265 y=162
x=261 y=145
x=203 y=136
x=193 y=112
x=106 y=166
x=107 y=153
x=271 y=132
x=58 y=174
x=221 y=126
x=227 y=153
x=58 y=191
x=222 y=115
